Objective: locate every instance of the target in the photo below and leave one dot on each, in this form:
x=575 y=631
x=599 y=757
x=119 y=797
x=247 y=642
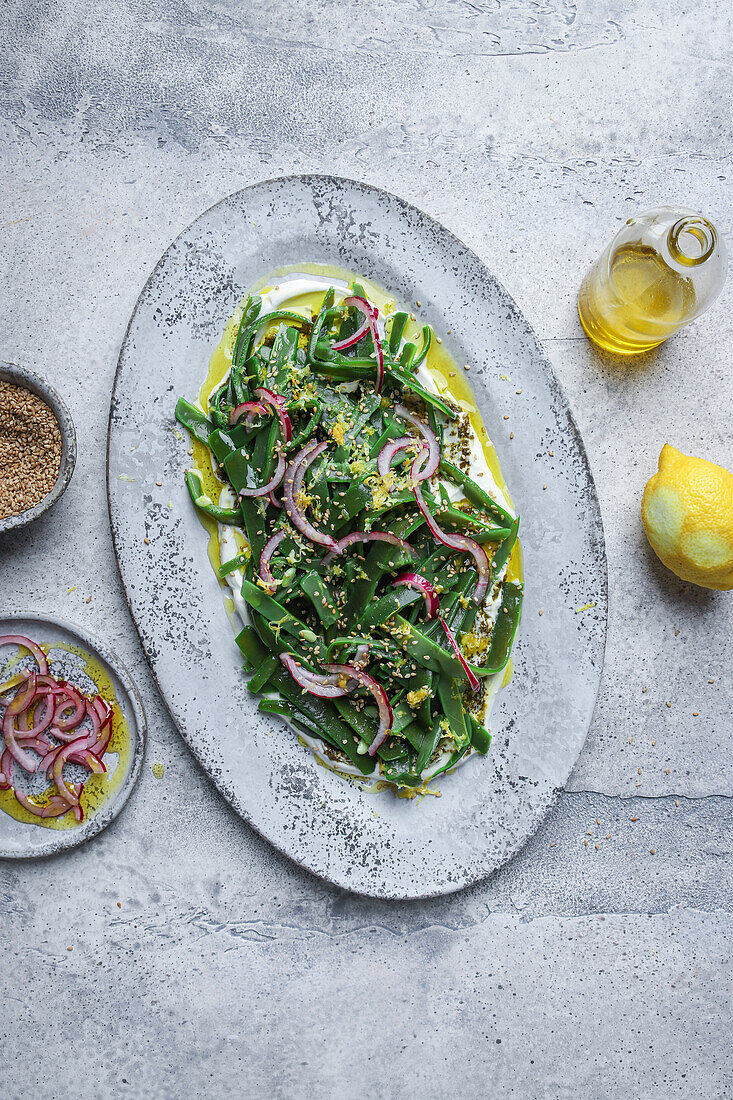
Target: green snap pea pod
x=407 y=354
x=328 y=724
x=324 y=314
x=239 y=378
x=243 y=473
x=238 y=562
x=321 y=597
x=282 y=620
x=205 y=504
x=253 y=514
x=386 y=607
x=347 y=327
x=284 y=351
x=480 y=531
x=349 y=503
x=218 y=415
x=397 y=373
x=475 y=493
x=505 y=628
x=501 y=557
x=423 y=678
x=456 y=757
x=349 y=642
x=394 y=500
x=302 y=437
x=263 y=674
x=392 y=429
x=414 y=733
x=222 y=442
x=287 y=710
x=450 y=693
x=265 y=454
x=394 y=748
x=402 y=717
x=250 y=312
x=427 y=746
x=401 y=771
x=381 y=558
x=250 y=646
x=364 y=726
x=396 y=328
x=194 y=420
x=341 y=368
x=480 y=737
x=427 y=339
x=424 y=651
x=245 y=349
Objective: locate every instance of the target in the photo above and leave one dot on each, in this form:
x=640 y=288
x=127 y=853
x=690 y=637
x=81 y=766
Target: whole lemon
x=687 y=512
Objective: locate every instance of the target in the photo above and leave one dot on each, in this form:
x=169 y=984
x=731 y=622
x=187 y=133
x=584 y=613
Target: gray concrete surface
x=202 y=963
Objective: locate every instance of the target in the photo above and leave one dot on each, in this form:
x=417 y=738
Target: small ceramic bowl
x=20 y=376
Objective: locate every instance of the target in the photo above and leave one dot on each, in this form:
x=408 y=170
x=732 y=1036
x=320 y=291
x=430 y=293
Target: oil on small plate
x=64 y=644
x=371 y=843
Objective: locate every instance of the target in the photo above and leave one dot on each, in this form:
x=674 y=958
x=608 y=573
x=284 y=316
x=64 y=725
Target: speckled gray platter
x=372 y=843
x=21 y=376
x=21 y=841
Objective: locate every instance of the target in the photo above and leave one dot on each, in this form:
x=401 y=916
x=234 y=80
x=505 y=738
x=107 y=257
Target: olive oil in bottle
x=663 y=269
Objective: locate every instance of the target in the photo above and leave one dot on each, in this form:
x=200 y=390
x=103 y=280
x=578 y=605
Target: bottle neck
x=692 y=240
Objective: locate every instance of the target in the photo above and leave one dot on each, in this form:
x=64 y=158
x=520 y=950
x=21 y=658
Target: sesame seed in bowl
x=37 y=446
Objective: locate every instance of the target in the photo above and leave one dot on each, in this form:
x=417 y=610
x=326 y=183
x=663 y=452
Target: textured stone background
x=202 y=963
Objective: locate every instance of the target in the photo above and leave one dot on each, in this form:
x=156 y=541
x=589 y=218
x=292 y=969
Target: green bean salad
x=368 y=566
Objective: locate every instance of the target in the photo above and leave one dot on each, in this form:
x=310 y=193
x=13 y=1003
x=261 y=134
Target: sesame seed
x=30 y=449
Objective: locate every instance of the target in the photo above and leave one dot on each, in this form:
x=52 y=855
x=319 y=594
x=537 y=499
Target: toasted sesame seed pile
x=30 y=450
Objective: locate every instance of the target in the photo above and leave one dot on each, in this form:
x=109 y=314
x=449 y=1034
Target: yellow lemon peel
x=687 y=512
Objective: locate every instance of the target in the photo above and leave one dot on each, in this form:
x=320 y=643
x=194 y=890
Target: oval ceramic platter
x=369 y=842
x=76 y=656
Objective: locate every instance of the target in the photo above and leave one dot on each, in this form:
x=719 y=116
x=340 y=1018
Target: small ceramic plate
x=19 y=840
x=21 y=376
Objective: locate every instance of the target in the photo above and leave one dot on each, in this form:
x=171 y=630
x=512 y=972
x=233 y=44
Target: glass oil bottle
x=663 y=269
